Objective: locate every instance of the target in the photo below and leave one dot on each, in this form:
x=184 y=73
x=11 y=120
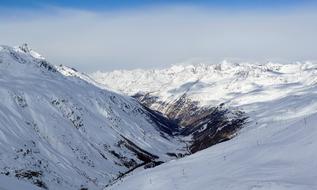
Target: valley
x=62 y=130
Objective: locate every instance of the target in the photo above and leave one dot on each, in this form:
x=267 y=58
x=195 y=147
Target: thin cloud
x=158 y=37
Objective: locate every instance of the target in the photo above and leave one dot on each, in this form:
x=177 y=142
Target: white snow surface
x=277 y=148
x=60 y=122
x=273 y=157
x=266 y=92
x=8 y=183
x=53 y=121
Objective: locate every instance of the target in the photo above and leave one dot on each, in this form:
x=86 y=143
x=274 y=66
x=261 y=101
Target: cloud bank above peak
x=156 y=37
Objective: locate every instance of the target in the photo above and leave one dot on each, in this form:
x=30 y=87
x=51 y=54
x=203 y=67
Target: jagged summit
x=14 y=58
x=22 y=51
x=25 y=48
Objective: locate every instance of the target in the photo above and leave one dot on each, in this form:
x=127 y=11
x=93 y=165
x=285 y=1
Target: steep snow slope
x=276 y=150
x=276 y=157
x=58 y=131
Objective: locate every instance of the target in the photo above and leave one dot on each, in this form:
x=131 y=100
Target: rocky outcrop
x=206 y=125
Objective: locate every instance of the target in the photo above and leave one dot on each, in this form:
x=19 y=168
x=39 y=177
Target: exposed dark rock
x=143 y=155
x=20 y=100
x=146 y=99
x=25 y=48
x=207 y=125
x=33 y=176
x=46 y=65
x=183 y=117
x=153 y=164
x=71 y=112
x=164 y=124
x=176 y=155
x=214 y=128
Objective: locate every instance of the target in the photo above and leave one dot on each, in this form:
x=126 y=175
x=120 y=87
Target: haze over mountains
x=223 y=126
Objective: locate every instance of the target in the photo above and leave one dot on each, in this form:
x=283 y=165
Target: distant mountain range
x=224 y=126
x=275 y=149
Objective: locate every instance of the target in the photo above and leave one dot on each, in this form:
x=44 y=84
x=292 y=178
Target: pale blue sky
x=107 y=35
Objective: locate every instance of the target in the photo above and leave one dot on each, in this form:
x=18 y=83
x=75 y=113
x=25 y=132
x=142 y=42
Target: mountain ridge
x=59 y=129
x=62 y=132
x=233 y=85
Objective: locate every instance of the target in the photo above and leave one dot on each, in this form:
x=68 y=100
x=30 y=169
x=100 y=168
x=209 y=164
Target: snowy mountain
x=275 y=150
x=263 y=91
x=58 y=131
x=274 y=157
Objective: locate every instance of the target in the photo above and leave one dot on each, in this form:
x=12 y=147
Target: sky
x=105 y=35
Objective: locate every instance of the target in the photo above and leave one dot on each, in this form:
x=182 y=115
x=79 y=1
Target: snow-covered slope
x=8 y=183
x=58 y=131
x=272 y=157
x=276 y=150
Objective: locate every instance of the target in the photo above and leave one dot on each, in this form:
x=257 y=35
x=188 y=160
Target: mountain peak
x=23 y=55
x=25 y=48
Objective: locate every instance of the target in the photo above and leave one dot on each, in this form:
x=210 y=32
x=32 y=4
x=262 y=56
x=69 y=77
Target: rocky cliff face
x=206 y=125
